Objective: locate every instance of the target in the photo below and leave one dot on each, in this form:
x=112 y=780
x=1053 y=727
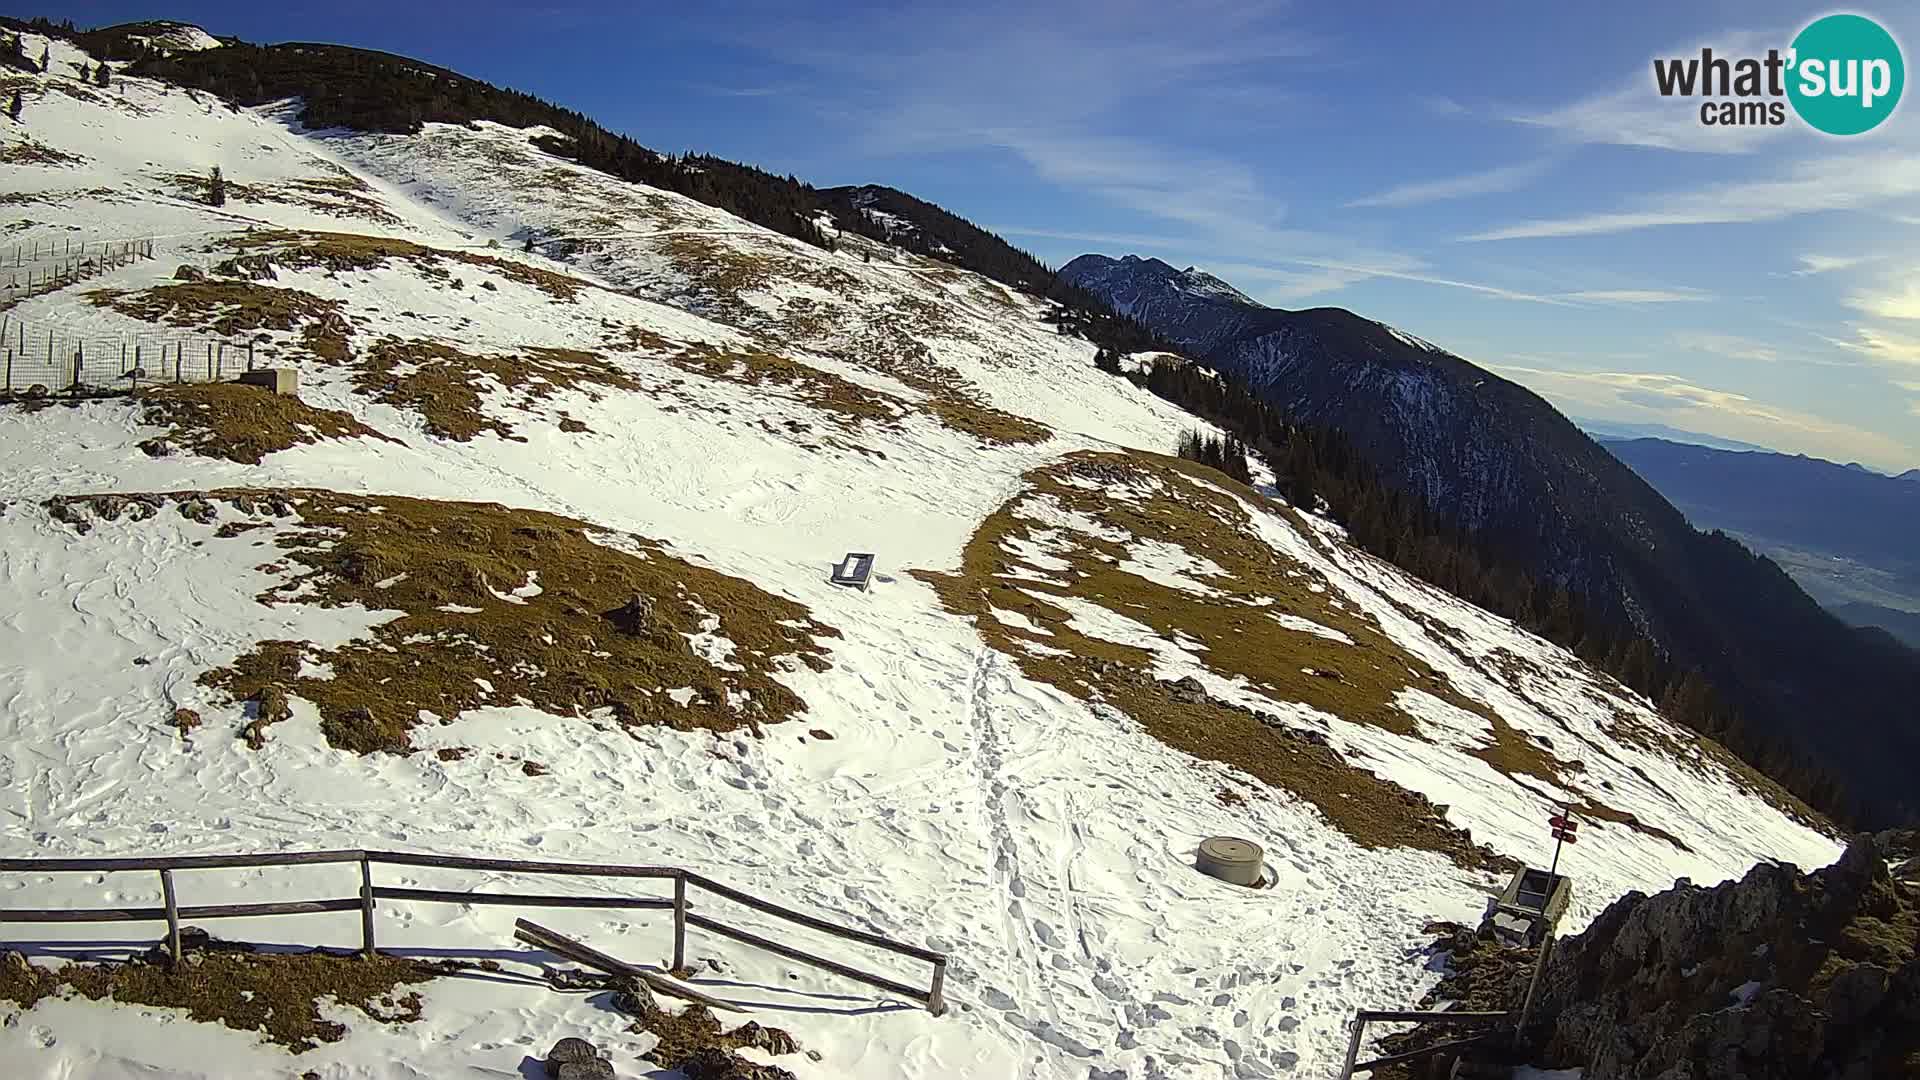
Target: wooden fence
x=369 y=894
x=1495 y=1022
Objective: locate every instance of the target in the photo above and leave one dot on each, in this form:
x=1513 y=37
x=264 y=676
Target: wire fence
x=31 y=269
x=58 y=360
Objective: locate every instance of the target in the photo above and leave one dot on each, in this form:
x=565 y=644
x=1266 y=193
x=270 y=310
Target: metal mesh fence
x=59 y=360
x=31 y=269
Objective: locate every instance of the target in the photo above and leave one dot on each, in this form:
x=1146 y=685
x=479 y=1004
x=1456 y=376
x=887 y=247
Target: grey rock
x=572 y=1052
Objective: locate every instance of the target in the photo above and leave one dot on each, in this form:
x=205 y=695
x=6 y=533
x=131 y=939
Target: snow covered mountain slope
x=1543 y=498
x=536 y=567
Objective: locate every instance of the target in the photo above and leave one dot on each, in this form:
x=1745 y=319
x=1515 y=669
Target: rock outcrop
x=1779 y=976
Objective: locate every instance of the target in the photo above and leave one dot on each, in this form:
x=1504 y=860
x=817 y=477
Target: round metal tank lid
x=1231 y=859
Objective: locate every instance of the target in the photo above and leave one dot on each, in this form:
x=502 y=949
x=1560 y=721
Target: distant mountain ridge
x=1503 y=463
x=1617 y=430
x=1845 y=509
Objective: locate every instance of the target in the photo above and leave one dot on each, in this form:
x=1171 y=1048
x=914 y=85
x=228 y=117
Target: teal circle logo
x=1846 y=74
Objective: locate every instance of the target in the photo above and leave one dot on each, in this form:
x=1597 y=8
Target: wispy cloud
x=783 y=90
x=1639 y=296
x=1730 y=346
x=1486 y=182
x=1634 y=114
x=1113 y=240
x=1827 y=264
x=1346 y=273
x=1888 y=348
x=1835 y=182
x=1899 y=301
x=1679 y=401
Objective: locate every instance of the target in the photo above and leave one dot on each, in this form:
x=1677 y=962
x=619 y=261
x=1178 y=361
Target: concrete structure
x=1232 y=860
x=1531 y=904
x=280 y=380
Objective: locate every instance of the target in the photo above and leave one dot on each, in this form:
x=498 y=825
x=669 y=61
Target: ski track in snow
x=1045 y=844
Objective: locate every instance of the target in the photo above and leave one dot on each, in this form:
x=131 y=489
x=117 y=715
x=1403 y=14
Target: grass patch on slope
x=1018 y=563
x=336 y=252
x=235 y=308
x=337 y=195
x=497 y=607
x=29 y=151
x=884 y=339
x=450 y=389
x=278 y=995
x=240 y=422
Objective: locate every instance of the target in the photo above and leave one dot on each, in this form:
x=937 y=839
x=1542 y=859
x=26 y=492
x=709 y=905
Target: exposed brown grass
x=341 y=252
x=608 y=629
x=50 y=198
x=243 y=423
x=279 y=995
x=29 y=151
x=450 y=389
x=986 y=423
x=337 y=195
x=1357 y=682
x=849 y=403
x=235 y=308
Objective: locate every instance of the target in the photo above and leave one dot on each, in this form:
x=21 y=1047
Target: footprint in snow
x=994 y=998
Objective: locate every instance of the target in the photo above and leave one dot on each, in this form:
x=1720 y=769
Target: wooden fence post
x=1533 y=984
x=366 y=907
x=679 y=921
x=209 y=361
x=173 y=915
x=9 y=371
x=937 y=995
x=1356 y=1027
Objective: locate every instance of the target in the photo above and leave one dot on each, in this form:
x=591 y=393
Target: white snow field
x=959 y=804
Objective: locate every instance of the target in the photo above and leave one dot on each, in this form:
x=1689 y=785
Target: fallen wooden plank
x=534 y=934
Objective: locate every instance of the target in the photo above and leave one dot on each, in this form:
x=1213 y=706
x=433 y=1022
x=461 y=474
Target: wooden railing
x=1357 y=1027
x=172 y=912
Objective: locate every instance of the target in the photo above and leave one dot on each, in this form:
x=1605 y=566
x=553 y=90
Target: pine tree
x=101 y=76
x=46 y=60
x=216 y=188
x=13 y=110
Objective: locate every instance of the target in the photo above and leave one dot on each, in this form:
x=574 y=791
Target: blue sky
x=1501 y=180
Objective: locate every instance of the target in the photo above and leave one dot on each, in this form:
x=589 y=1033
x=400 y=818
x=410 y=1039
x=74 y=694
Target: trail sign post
x=1565 y=828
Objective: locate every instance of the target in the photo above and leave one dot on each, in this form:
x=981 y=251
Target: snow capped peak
x=1200 y=283
x=167 y=36
x=1134 y=272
